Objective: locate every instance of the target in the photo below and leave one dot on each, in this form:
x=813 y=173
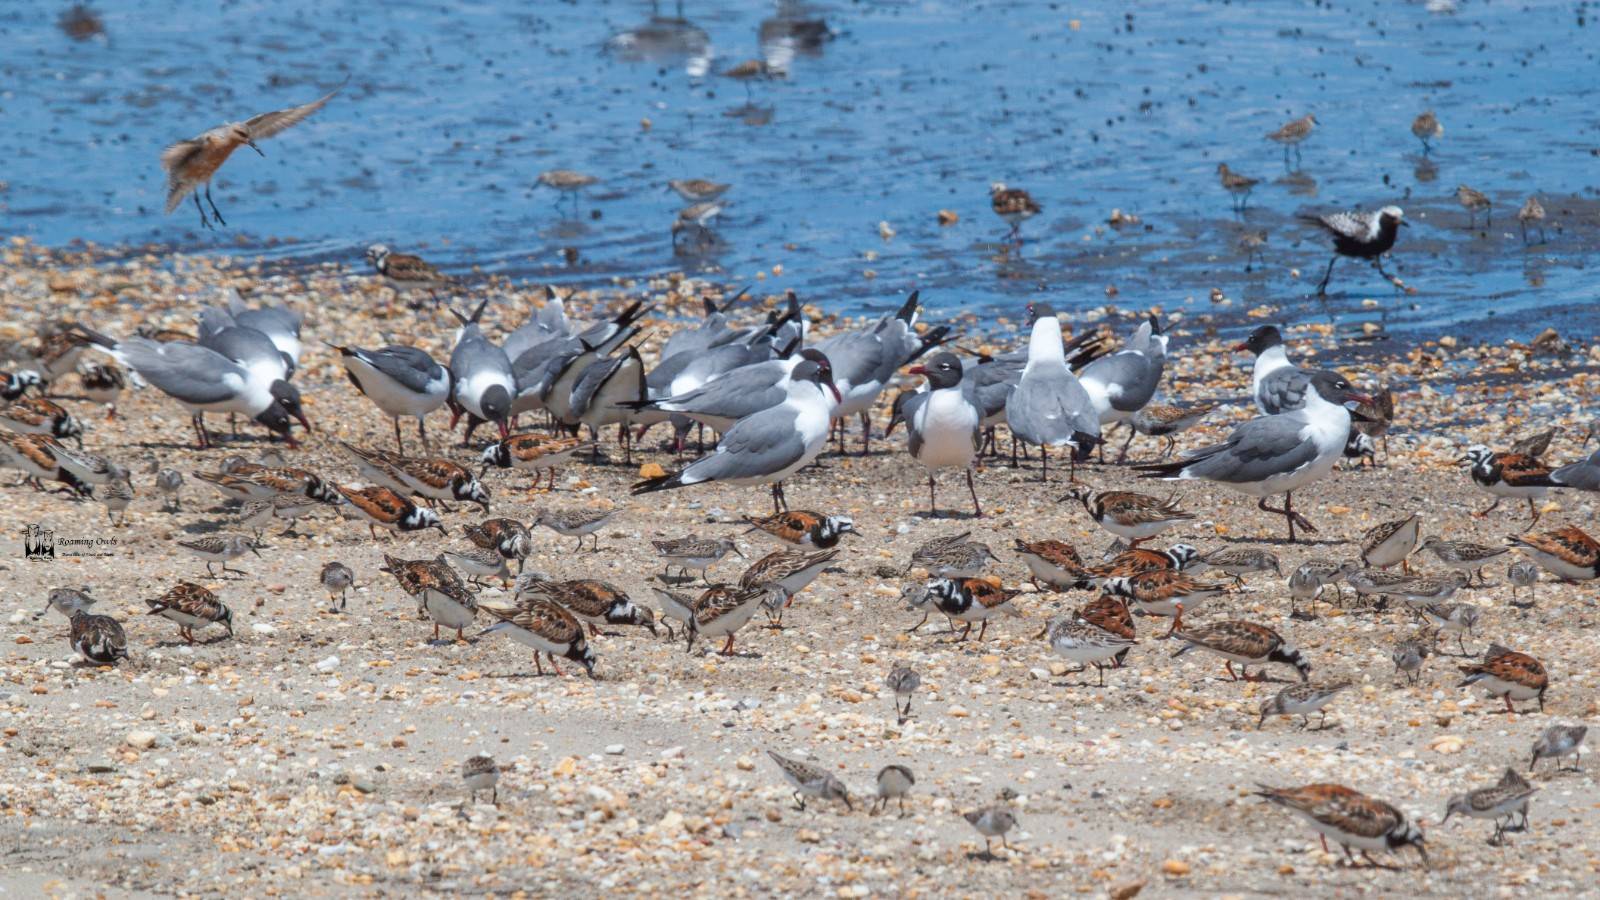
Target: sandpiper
x=952 y=556
x=894 y=783
x=1499 y=801
x=1302 y=700
x=1391 y=543
x=574 y=523
x=191 y=606
x=221 y=548
x=1251 y=241
x=902 y=681
x=1559 y=741
x=1426 y=127
x=192 y=163
x=438 y=590
x=1085 y=643
x=694 y=553
x=1292 y=134
x=810 y=780
x=565 y=182
x=1474 y=202
x=337 y=579
x=1238 y=562
x=1409 y=655
x=1351 y=818
x=1523 y=574
x=1014 y=205
x=992 y=822
x=170 y=483
x=697 y=190
x=116 y=495
x=478 y=563
x=1238 y=185
x=1463 y=556
x=1531 y=213
x=1165 y=422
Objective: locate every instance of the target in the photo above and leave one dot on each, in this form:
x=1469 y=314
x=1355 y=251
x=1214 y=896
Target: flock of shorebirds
x=777 y=400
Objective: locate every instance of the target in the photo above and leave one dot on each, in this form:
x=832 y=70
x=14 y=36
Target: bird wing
x=188 y=372
x=1257 y=450
x=1051 y=408
x=1284 y=390
x=411 y=367
x=755 y=446
x=268 y=124
x=1352 y=225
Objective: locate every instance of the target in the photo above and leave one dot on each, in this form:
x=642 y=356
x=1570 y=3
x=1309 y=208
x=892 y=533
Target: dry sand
x=318 y=753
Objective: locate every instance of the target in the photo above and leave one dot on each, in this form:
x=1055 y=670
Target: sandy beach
x=317 y=753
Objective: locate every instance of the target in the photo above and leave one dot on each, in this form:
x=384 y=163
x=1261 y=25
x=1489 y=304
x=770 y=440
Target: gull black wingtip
x=651 y=485
x=908 y=310
x=1162 y=470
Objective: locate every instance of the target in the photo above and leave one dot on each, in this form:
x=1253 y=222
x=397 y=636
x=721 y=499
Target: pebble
x=141 y=740
x=328 y=664
x=615 y=749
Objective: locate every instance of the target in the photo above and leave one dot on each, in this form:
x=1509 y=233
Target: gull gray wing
x=754 y=447
x=187 y=372
x=1051 y=408
x=1257 y=450
x=1584 y=476
x=414 y=369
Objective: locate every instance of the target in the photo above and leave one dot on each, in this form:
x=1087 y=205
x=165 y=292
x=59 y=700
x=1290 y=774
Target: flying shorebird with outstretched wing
x=193 y=162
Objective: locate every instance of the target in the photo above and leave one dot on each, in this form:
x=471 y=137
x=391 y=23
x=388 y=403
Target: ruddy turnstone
x=103 y=384
x=1360 y=235
x=1126 y=561
x=965 y=600
x=56 y=354
x=1110 y=614
x=697 y=190
x=1292 y=134
x=1014 y=205
x=14 y=384
x=992 y=822
x=40 y=459
x=902 y=681
x=1463 y=556
x=507 y=537
x=695 y=553
x=479 y=773
x=438 y=590
x=723 y=609
x=952 y=556
x=1390 y=543
x=810 y=780
x=1426 y=128
x=405 y=272
x=1567 y=553
x=1523 y=574
x=1351 y=818
x=1558 y=742
x=1276 y=454
x=36 y=415
x=1408 y=657
x=574 y=523
x=804 y=527
x=1165 y=422
x=1508 y=475
x=1302 y=700
x=1238 y=562
x=1474 y=202
x=593 y=602
x=1362 y=449
x=1163 y=593
x=192 y=163
x=532 y=451
x=381 y=506
x=1056 y=563
x=1237 y=185
x=1246 y=643
x=1084 y=643
x=98 y=639
x=337 y=579
x=1531 y=213
x=191 y=606
x=1136 y=517
x=1509 y=675
x=538 y=623
x=219 y=548
x=435 y=478
x=1499 y=802
x=894 y=783
x=478 y=563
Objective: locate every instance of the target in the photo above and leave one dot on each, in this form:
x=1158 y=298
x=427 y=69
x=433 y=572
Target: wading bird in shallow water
x=1360 y=235
x=193 y=162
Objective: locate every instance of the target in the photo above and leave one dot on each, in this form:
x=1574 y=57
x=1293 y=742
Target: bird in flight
x=192 y=163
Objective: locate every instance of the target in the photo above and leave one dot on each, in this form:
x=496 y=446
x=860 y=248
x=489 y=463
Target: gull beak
x=255 y=148
x=837 y=397
x=1239 y=348
x=1361 y=398
x=917 y=370
x=304 y=422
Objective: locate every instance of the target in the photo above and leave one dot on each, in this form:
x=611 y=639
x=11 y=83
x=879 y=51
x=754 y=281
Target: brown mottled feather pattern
x=1340 y=807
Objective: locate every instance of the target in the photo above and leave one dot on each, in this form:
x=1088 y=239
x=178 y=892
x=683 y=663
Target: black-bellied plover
x=1360 y=235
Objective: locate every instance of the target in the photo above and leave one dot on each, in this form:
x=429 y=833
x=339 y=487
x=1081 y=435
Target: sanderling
x=810 y=780
x=191 y=606
x=1351 y=818
x=992 y=822
x=1085 y=643
x=902 y=681
x=337 y=579
x=1302 y=700
x=192 y=163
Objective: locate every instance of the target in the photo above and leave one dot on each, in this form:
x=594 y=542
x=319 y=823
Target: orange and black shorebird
x=192 y=163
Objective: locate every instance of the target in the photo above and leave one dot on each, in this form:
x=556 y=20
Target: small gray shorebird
x=191 y=164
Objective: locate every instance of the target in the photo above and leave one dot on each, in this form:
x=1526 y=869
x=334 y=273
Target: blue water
x=908 y=108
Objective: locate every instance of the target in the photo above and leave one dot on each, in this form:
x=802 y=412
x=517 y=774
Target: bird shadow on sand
x=204 y=526
x=1281 y=541
x=946 y=515
x=168 y=645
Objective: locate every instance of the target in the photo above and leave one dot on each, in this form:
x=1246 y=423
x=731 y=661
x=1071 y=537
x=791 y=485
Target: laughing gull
x=738 y=394
x=1276 y=454
x=1124 y=382
x=1583 y=476
x=1050 y=407
x=481 y=378
x=279 y=323
x=866 y=360
x=771 y=445
x=251 y=349
x=601 y=391
x=1276 y=385
x=1360 y=235
x=401 y=380
x=943 y=424
x=203 y=380
x=680 y=373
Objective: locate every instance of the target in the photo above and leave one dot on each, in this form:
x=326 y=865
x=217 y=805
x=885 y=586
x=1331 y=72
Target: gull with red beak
x=1276 y=454
x=943 y=423
x=769 y=446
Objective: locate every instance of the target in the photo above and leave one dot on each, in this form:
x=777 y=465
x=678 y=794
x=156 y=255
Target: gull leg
x=933 y=503
x=399 y=445
x=977 y=510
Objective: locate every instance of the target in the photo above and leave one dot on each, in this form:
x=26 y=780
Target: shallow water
x=907 y=108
